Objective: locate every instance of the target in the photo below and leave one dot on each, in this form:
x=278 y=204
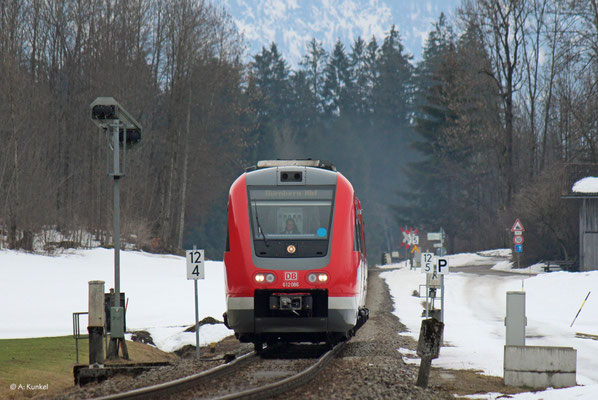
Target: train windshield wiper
x=259 y=227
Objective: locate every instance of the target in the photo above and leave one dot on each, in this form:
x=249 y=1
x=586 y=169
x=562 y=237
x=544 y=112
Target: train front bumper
x=255 y=315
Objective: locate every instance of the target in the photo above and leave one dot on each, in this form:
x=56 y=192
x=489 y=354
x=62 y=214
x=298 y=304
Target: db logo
x=290 y=276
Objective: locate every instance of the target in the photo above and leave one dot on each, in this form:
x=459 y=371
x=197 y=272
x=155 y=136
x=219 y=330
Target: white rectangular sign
x=434 y=236
x=441 y=265
x=427 y=262
x=195 y=264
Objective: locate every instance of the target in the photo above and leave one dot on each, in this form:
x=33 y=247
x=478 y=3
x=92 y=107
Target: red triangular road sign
x=517 y=226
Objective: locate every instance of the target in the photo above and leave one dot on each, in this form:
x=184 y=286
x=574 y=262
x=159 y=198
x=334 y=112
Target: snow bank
x=44 y=291
x=507 y=266
x=495 y=253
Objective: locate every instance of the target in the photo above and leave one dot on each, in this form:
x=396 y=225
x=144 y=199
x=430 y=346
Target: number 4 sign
x=195 y=264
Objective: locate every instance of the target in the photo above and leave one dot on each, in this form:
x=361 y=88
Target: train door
x=360 y=247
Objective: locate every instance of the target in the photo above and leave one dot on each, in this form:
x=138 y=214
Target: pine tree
x=314 y=63
x=271 y=96
x=392 y=88
x=360 y=92
x=453 y=117
x=338 y=84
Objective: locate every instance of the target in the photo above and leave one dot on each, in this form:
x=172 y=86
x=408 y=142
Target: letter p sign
x=442 y=266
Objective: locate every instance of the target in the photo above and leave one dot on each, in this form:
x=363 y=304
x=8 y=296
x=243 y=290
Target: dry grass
x=50 y=361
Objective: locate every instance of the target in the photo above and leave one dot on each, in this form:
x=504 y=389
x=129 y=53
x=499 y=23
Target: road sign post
x=195 y=271
x=518 y=230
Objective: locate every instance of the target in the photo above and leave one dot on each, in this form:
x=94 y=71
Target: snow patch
x=586 y=185
x=475 y=310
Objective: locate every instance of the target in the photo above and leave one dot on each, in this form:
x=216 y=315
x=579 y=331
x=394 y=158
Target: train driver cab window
x=282 y=214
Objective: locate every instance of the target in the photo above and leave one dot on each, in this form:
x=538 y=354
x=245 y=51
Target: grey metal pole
x=196 y=316
x=427 y=293
x=442 y=253
x=442 y=298
x=519 y=266
x=116 y=145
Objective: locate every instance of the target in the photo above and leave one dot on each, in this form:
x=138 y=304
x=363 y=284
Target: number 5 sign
x=427 y=262
x=195 y=264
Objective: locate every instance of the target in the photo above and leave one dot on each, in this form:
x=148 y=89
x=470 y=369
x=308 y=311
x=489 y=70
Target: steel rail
x=180 y=384
x=289 y=383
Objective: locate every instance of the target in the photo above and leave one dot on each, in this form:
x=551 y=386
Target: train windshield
x=289 y=213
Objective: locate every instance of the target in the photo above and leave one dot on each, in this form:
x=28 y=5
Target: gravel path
x=258 y=373
x=179 y=369
x=370 y=366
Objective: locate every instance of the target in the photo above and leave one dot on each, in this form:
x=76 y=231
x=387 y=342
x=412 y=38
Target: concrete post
x=95 y=325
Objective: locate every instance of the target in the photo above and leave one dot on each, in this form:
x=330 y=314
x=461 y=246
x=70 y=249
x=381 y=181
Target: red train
x=295 y=255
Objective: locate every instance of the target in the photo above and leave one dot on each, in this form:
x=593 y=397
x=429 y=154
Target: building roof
x=580 y=181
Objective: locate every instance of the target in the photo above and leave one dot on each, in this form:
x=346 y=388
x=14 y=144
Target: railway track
x=215 y=383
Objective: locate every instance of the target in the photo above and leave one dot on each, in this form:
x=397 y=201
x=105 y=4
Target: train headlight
x=317 y=278
x=261 y=278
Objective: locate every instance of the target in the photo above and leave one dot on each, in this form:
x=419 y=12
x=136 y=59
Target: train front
x=292 y=270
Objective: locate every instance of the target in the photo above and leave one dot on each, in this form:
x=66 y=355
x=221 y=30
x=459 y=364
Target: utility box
x=515 y=320
x=108 y=304
x=117 y=319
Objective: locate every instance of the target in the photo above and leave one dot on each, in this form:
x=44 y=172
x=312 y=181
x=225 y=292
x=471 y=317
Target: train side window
x=362 y=235
x=358 y=246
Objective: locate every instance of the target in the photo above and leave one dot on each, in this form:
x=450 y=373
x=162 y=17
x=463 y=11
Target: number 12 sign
x=195 y=264
x=427 y=262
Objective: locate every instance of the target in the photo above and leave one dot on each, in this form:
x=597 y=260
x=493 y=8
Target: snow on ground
x=475 y=311
x=507 y=266
x=44 y=291
x=495 y=253
x=402 y=264
x=586 y=185
x=463 y=259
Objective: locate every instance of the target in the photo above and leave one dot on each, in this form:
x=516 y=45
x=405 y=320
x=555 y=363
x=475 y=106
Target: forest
x=482 y=130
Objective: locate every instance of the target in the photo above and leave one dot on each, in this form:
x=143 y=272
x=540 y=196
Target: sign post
x=427 y=267
x=518 y=230
x=195 y=271
x=440 y=265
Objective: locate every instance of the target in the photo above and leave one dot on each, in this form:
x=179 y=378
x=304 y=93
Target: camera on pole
x=120 y=129
x=105 y=110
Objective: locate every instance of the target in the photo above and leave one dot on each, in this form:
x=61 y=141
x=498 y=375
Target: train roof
x=292 y=163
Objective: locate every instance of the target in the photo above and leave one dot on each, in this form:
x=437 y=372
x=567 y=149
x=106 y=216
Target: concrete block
x=540 y=380
x=540 y=366
x=540 y=358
